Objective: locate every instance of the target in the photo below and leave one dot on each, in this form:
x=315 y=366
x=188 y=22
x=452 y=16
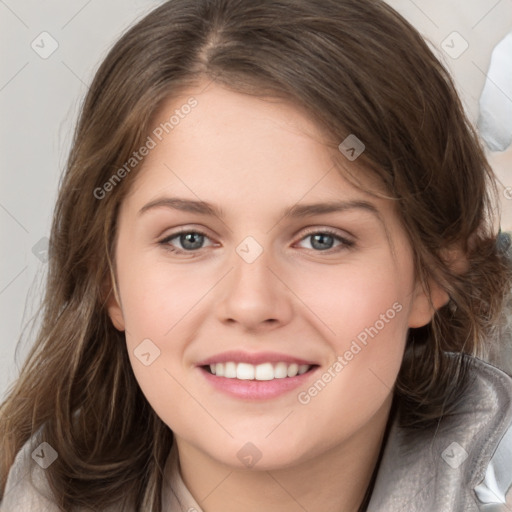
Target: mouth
x=261 y=372
x=263 y=380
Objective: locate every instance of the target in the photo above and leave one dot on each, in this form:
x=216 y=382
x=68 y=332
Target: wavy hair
x=356 y=67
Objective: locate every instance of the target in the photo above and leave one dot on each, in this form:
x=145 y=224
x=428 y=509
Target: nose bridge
x=249 y=250
x=251 y=274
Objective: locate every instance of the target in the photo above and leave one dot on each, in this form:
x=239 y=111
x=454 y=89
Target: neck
x=334 y=481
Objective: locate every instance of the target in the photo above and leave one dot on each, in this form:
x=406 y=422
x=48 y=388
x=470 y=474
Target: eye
x=189 y=241
x=325 y=240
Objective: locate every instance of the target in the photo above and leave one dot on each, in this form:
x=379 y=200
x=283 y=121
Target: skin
x=252 y=157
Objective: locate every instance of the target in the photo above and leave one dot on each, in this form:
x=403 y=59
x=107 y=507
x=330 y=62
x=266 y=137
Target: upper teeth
x=265 y=371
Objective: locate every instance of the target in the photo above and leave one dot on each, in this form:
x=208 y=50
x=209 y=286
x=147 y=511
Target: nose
x=254 y=296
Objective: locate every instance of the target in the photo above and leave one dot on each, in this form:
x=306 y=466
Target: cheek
x=157 y=296
x=153 y=302
x=350 y=299
x=157 y=306
x=363 y=313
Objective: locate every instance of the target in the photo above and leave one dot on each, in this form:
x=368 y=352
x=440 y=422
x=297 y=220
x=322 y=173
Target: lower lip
x=256 y=389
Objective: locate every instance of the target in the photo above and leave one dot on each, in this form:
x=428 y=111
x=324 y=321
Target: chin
x=256 y=455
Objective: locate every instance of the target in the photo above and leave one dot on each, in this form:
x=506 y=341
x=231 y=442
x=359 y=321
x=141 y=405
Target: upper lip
x=255 y=358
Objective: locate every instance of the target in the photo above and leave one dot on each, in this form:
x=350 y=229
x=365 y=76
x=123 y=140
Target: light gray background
x=40 y=99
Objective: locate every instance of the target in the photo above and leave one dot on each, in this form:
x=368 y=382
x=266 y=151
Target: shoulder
x=494 y=474
x=27 y=487
x=463 y=463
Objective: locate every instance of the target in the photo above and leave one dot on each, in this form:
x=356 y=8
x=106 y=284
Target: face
x=265 y=299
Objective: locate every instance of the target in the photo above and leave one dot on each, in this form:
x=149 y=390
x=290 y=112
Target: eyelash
x=345 y=243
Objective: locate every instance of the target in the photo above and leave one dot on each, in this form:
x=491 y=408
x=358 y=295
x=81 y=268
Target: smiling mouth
x=262 y=372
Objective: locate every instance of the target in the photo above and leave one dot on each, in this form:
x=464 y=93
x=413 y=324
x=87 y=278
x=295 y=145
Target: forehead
x=258 y=146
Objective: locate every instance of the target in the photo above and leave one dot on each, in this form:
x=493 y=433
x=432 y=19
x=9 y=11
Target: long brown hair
x=356 y=67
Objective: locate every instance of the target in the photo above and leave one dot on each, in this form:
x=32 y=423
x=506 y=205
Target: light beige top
x=175 y=495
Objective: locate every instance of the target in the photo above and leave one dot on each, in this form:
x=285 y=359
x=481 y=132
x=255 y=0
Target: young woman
x=274 y=270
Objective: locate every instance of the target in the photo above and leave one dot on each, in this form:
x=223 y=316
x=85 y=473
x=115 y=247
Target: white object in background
x=495 y=120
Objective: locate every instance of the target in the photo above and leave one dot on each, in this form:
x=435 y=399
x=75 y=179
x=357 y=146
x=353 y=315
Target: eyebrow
x=296 y=211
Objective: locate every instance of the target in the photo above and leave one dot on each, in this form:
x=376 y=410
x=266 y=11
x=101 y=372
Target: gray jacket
x=462 y=465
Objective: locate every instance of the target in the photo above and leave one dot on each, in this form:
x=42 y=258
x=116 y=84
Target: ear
x=113 y=304
x=425 y=304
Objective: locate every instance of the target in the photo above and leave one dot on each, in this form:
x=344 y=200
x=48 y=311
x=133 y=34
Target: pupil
x=322 y=241
x=191 y=241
